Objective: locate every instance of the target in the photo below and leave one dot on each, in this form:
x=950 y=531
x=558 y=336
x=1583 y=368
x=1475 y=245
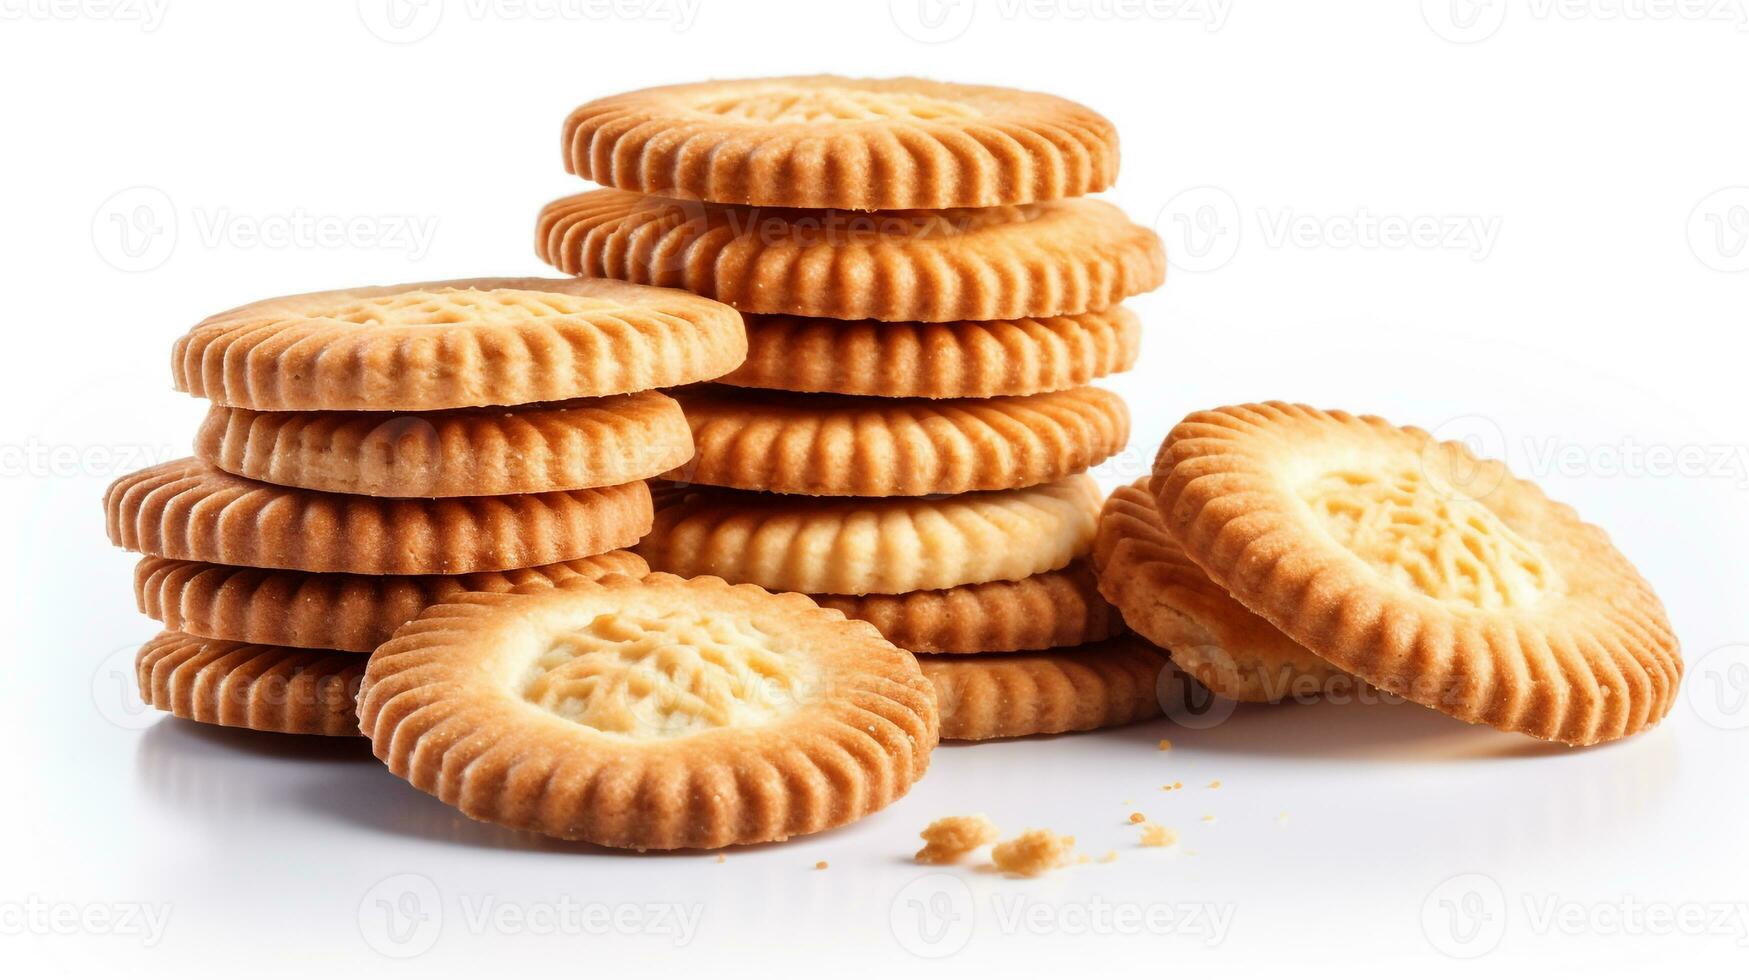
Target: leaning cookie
x=859 y=545
x=246 y=685
x=1422 y=569
x=1051 y=609
x=1002 y=263
x=884 y=447
x=1099 y=685
x=1165 y=597
x=186 y=509
x=329 y=611
x=824 y=141
x=963 y=359
x=594 y=442
x=650 y=713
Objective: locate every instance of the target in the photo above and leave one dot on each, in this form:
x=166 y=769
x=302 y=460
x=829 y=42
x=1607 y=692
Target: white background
x=1576 y=177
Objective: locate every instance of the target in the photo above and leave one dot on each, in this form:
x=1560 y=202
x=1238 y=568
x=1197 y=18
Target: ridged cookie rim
x=328 y=610
x=189 y=510
x=1047 y=692
x=1038 y=260
x=1031 y=147
x=859 y=545
x=258 y=356
x=961 y=359
x=848 y=446
x=1168 y=599
x=260 y=687
x=450 y=730
x=1607 y=664
x=475 y=452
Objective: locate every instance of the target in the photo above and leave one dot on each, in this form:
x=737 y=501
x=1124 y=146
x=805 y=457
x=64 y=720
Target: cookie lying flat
x=1428 y=572
x=595 y=442
x=829 y=142
x=1165 y=597
x=858 y=545
x=243 y=685
x=328 y=611
x=882 y=447
x=1051 y=609
x=1003 y=263
x=964 y=359
x=1074 y=689
x=650 y=713
x=458 y=344
x=186 y=509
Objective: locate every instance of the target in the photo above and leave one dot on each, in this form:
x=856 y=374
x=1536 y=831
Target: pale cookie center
x=824 y=105
x=1444 y=546
x=645 y=677
x=442 y=307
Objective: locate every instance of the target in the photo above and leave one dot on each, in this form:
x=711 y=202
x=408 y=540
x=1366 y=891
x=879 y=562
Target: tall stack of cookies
x=370 y=452
x=927 y=294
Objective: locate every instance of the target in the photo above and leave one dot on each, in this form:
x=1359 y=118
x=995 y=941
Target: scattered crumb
x=1215 y=785
x=1128 y=802
x=1281 y=818
x=1137 y=818
x=951 y=838
x=1177 y=785
x=819 y=865
x=1165 y=745
x=1109 y=857
x=1208 y=818
x=1032 y=853
x=1154 y=835
x=721 y=859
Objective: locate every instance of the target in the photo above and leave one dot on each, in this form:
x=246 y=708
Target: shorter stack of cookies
x=927 y=295
x=370 y=452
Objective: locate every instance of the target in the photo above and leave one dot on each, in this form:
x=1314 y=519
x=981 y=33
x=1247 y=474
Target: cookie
x=1051 y=609
x=1165 y=597
x=650 y=713
x=824 y=141
x=469 y=342
x=1074 y=689
x=186 y=509
x=1425 y=571
x=244 y=685
x=1002 y=263
x=858 y=545
x=826 y=445
x=967 y=359
x=328 y=611
x=595 y=442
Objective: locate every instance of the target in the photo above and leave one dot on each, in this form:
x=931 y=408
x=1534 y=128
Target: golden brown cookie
x=1003 y=263
x=1165 y=597
x=966 y=359
x=858 y=545
x=242 y=685
x=596 y=442
x=824 y=141
x=436 y=345
x=329 y=611
x=1073 y=689
x=1430 y=573
x=841 y=446
x=1051 y=609
x=650 y=713
x=186 y=509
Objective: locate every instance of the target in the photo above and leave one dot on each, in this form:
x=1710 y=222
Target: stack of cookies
x=927 y=295
x=372 y=451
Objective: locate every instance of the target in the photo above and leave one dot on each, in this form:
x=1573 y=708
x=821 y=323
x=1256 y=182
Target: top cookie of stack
x=927 y=296
x=371 y=451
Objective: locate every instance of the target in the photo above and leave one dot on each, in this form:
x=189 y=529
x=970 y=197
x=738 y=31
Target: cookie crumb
x=1137 y=818
x=1215 y=785
x=951 y=838
x=1154 y=835
x=819 y=865
x=1281 y=818
x=1109 y=857
x=1033 y=853
x=721 y=858
x=1165 y=745
x=1208 y=818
